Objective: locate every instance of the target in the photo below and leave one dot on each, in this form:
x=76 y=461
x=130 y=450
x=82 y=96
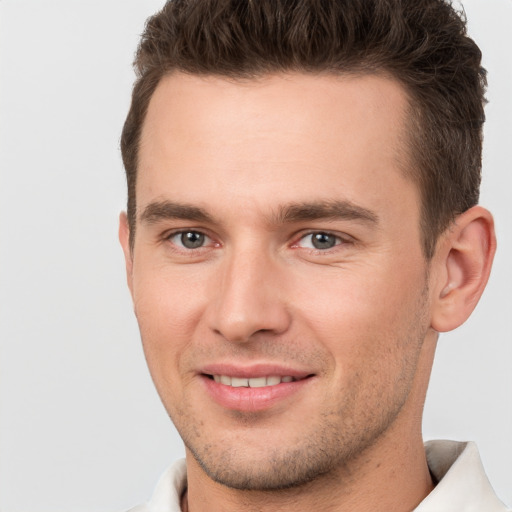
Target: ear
x=124 y=238
x=463 y=263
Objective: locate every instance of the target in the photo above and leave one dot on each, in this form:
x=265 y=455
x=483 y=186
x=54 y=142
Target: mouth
x=252 y=382
x=254 y=389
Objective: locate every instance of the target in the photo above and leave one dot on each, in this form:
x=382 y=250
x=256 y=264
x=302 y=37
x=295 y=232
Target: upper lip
x=254 y=370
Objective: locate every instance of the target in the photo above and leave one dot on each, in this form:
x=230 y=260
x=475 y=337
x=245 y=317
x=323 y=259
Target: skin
x=360 y=318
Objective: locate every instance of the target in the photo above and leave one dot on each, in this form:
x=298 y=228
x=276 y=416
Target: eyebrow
x=286 y=214
x=167 y=210
x=325 y=210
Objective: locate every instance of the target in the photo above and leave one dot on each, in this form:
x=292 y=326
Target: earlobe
x=124 y=239
x=463 y=260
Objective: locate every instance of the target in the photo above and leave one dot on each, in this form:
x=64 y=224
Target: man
x=302 y=223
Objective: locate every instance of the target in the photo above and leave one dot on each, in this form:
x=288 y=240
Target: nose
x=249 y=298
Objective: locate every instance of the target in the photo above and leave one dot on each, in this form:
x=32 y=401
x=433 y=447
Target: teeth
x=239 y=383
x=254 y=382
x=257 y=382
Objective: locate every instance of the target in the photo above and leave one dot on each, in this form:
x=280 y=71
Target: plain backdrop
x=81 y=427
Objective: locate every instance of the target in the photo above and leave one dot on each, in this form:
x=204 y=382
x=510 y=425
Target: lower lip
x=252 y=399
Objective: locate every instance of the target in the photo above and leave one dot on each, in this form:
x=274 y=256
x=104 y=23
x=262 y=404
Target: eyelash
x=169 y=238
x=339 y=240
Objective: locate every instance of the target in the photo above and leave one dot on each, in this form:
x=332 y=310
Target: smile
x=255 y=387
x=252 y=382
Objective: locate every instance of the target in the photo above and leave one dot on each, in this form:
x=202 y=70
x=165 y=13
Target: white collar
x=463 y=485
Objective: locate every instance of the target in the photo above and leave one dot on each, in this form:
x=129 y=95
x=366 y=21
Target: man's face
x=277 y=272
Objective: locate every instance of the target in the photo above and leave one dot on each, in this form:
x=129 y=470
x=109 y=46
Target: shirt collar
x=463 y=484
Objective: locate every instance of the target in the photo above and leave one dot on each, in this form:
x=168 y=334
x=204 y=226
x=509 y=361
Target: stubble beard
x=334 y=445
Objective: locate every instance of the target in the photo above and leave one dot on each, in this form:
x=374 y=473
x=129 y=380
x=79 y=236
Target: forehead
x=280 y=138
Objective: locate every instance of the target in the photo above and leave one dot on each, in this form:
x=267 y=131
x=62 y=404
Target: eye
x=319 y=240
x=189 y=239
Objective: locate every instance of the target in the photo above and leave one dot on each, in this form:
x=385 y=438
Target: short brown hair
x=421 y=43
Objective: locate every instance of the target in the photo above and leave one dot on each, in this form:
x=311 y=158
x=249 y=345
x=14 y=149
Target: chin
x=277 y=471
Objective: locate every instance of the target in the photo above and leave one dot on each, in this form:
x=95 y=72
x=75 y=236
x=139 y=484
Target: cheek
x=167 y=300
x=374 y=336
x=365 y=316
x=168 y=309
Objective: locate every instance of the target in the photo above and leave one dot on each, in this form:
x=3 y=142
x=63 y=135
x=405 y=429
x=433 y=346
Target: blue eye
x=189 y=239
x=320 y=241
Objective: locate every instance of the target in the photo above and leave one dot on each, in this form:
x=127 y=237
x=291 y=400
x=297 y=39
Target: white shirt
x=463 y=485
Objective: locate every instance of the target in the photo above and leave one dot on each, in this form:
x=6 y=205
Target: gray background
x=81 y=428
